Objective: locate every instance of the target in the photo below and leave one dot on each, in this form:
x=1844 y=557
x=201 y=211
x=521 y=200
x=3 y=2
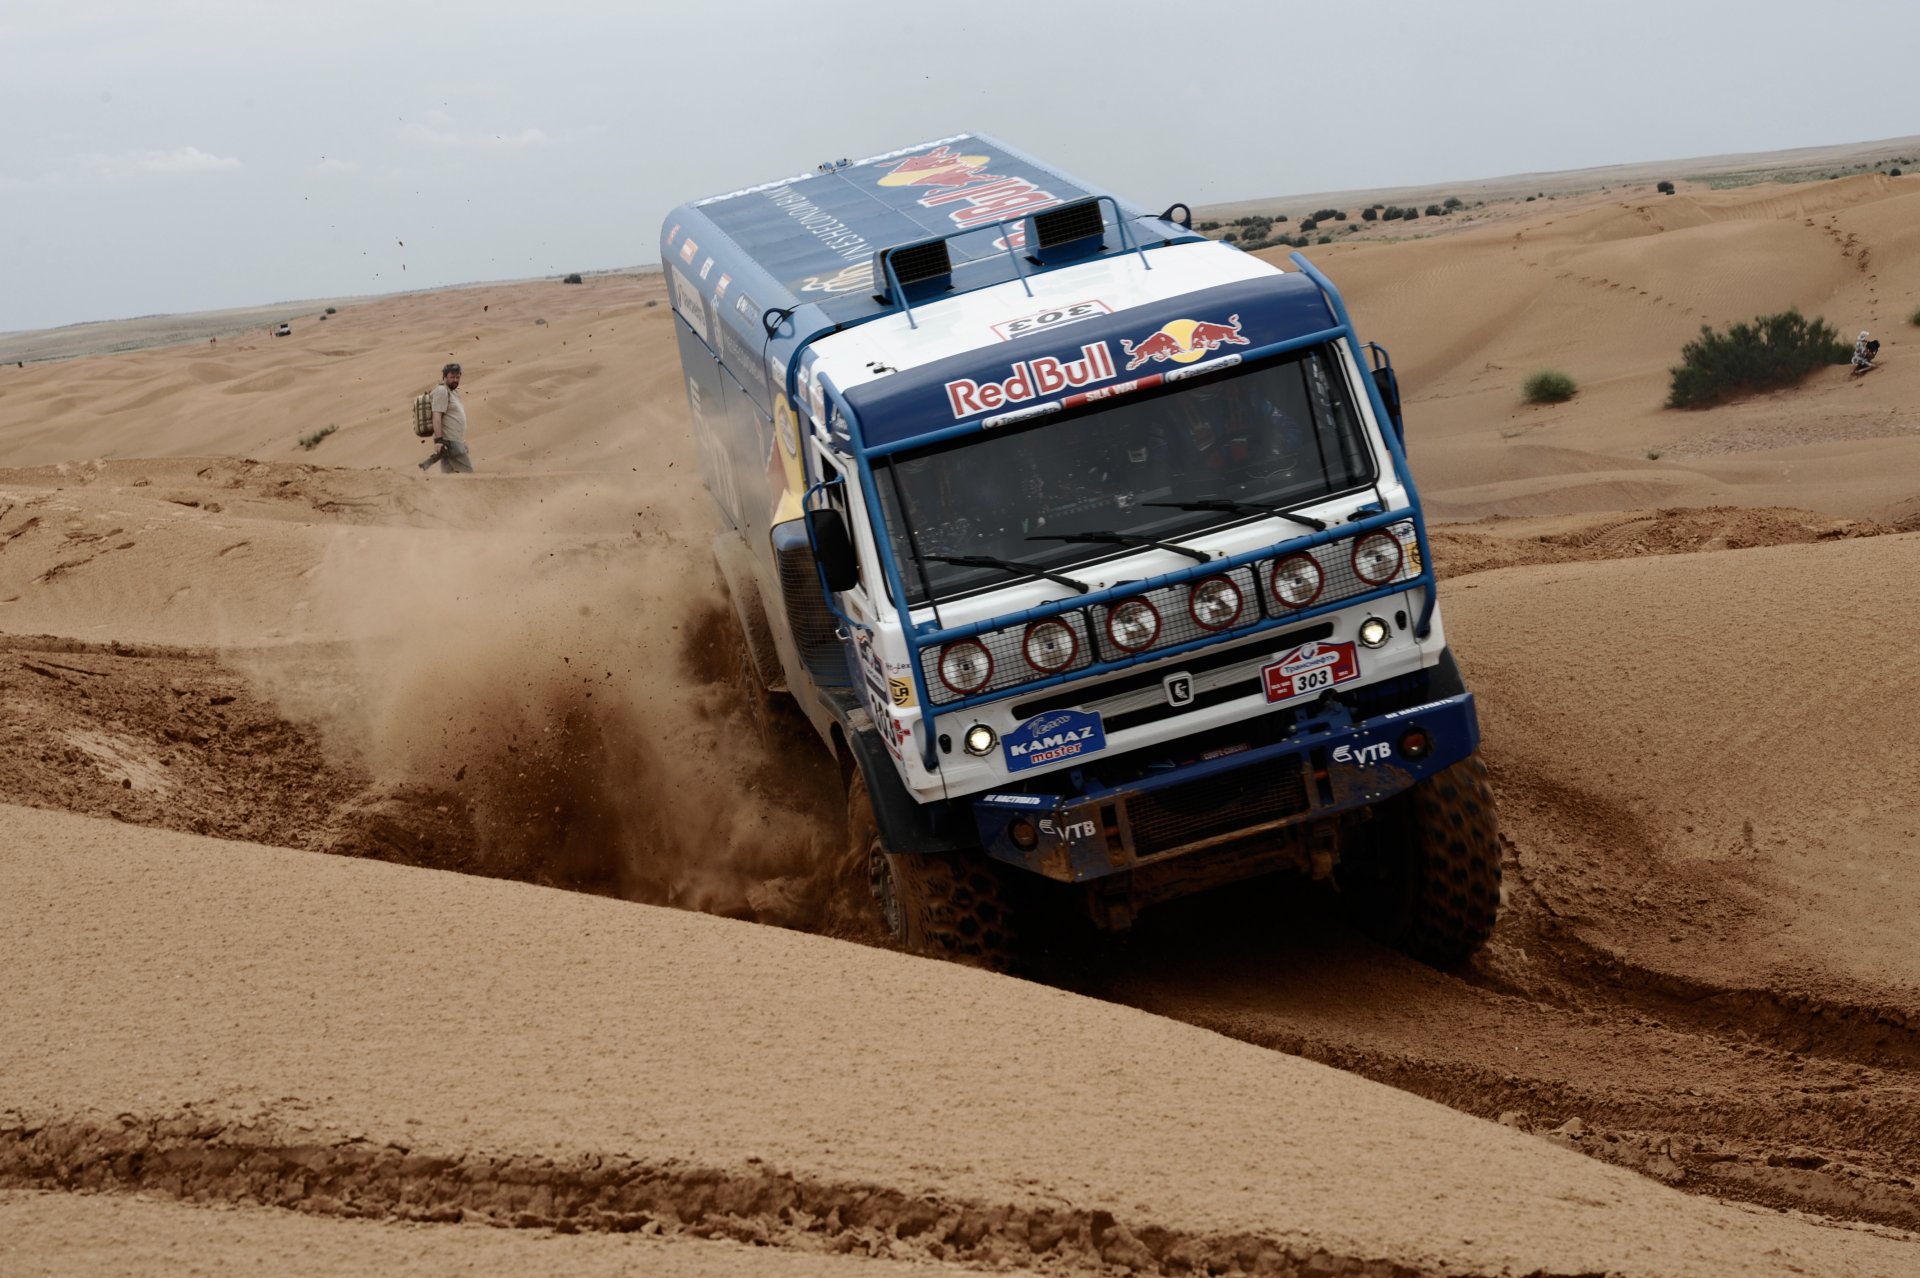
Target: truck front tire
x=950 y=905
x=1429 y=881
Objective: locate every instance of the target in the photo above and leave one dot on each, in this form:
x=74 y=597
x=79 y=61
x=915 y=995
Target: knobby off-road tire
x=1431 y=883
x=950 y=905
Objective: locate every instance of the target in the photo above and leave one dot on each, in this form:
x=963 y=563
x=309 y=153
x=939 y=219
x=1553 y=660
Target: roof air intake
x=923 y=270
x=1066 y=233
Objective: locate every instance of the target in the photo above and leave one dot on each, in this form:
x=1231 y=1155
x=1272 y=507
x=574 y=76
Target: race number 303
x=1310 y=668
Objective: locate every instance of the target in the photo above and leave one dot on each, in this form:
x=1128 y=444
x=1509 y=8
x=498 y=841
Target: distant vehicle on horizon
x=285 y=330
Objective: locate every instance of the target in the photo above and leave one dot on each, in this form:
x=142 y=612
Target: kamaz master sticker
x=1049 y=738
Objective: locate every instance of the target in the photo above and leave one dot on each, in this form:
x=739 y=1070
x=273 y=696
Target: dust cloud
x=584 y=706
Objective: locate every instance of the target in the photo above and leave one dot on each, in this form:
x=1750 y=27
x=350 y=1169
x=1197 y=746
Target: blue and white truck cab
x=1087 y=543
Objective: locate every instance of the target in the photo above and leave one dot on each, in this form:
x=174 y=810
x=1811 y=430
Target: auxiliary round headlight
x=966 y=666
x=1297 y=580
x=1374 y=633
x=979 y=740
x=1051 y=646
x=1215 y=603
x=1134 y=625
x=1376 y=558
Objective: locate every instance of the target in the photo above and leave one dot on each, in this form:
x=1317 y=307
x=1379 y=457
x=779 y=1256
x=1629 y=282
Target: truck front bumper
x=1331 y=763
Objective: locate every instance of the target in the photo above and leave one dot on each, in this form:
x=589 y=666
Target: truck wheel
x=949 y=905
x=1429 y=884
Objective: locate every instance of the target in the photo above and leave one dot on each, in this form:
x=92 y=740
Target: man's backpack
x=423 y=413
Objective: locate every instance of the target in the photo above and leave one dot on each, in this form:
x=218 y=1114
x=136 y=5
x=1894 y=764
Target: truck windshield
x=1279 y=434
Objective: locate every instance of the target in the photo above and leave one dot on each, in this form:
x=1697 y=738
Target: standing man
x=449 y=426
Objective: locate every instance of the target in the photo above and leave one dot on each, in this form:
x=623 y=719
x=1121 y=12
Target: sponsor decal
x=1031 y=379
x=1023 y=800
x=1055 y=317
x=1223 y=751
x=1378 y=752
x=1179 y=688
x=720 y=289
x=1049 y=738
x=784 y=426
x=1310 y=668
x=705 y=267
x=692 y=305
x=673 y=235
x=1183 y=341
x=834 y=235
x=688 y=250
x=901 y=690
x=1068 y=830
x=844 y=280
x=961 y=181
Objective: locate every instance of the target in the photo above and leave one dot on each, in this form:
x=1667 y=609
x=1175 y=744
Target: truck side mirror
x=1389 y=388
x=833 y=548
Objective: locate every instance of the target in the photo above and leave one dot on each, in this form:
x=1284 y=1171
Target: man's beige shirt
x=454 y=425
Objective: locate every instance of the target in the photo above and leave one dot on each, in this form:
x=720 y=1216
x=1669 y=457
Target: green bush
x=1434 y=210
x=572 y=279
x=1665 y=188
x=1393 y=213
x=1368 y=215
x=331 y=311
x=1325 y=239
x=1548 y=386
x=1772 y=350
x=1893 y=172
x=1454 y=202
x=1914 y=318
x=1308 y=223
x=311 y=442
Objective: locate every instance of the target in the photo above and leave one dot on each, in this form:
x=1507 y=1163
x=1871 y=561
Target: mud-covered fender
x=906 y=825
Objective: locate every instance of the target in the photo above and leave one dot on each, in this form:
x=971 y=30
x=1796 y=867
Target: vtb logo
x=1183 y=341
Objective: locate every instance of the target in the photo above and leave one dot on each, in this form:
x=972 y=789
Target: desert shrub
x=1893 y=172
x=1330 y=215
x=1325 y=239
x=311 y=442
x=1393 y=213
x=1308 y=223
x=1665 y=188
x=332 y=311
x=1410 y=214
x=1369 y=215
x=1530 y=199
x=1434 y=210
x=1350 y=228
x=1454 y=202
x=571 y=279
x=1548 y=386
x=1209 y=226
x=1914 y=318
x=1280 y=217
x=1772 y=350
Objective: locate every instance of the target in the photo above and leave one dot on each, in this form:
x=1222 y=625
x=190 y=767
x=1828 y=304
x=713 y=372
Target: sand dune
x=210 y=631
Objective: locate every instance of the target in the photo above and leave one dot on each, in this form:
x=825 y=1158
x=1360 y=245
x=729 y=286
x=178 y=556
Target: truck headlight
x=1051 y=646
x=1134 y=625
x=1215 y=603
x=1297 y=580
x=979 y=740
x=1376 y=558
x=966 y=666
x=1374 y=633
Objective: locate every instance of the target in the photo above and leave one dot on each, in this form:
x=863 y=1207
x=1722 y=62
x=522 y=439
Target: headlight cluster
x=1174 y=614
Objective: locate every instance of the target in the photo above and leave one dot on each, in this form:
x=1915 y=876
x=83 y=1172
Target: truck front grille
x=1194 y=811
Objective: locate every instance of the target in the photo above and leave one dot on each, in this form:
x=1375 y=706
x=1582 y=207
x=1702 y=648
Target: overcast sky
x=181 y=155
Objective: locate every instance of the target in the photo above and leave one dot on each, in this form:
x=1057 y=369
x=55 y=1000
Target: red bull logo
x=952 y=178
x=1183 y=341
x=1030 y=379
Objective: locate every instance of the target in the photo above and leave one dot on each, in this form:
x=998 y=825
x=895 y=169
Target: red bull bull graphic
x=984 y=197
x=1030 y=380
x=1183 y=341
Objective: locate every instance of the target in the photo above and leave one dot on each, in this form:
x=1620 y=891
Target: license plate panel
x=1310 y=669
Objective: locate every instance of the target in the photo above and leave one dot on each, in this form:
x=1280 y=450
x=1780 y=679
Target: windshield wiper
x=1007 y=565
x=1100 y=537
x=1230 y=507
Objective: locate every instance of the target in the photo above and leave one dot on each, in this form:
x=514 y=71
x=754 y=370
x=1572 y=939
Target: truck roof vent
x=922 y=269
x=1066 y=233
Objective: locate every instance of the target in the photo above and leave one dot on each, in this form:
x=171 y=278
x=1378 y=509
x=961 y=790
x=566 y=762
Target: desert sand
x=512 y=708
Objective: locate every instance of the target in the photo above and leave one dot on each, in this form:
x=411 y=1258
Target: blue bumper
x=1331 y=763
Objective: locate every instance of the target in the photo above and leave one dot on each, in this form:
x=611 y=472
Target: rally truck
x=1086 y=543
